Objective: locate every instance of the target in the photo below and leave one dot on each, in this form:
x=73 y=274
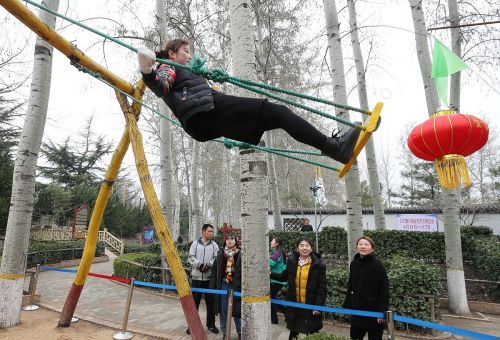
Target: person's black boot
x=340 y=148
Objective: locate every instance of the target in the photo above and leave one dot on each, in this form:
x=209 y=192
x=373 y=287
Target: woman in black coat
x=306 y=277
x=227 y=275
x=368 y=290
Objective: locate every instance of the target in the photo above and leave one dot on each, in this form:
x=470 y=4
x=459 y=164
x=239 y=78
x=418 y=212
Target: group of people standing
x=303 y=273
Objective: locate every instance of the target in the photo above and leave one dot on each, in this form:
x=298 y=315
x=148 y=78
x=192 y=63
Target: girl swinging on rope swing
x=206 y=114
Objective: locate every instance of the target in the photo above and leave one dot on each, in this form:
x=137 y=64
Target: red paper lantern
x=446 y=138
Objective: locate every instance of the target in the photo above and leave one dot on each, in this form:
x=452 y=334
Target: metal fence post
x=123 y=334
x=229 y=313
x=433 y=314
x=33 y=278
x=389 y=318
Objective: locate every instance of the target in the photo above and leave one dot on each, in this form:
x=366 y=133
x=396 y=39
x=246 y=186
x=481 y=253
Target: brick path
x=103 y=302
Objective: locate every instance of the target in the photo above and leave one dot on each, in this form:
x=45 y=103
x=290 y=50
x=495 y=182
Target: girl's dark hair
x=232 y=234
x=280 y=245
x=303 y=239
x=172 y=45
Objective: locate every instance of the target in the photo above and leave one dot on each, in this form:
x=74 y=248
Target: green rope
x=219 y=75
x=242 y=145
x=228 y=143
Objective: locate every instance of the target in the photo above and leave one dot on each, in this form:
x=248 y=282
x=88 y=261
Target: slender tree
x=167 y=196
x=253 y=170
x=23 y=184
x=352 y=183
x=273 y=181
x=387 y=171
x=451 y=204
x=371 y=159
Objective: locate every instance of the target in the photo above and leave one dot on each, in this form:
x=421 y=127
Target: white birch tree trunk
x=177 y=211
x=188 y=185
x=226 y=199
x=253 y=175
x=371 y=159
x=457 y=294
x=268 y=137
x=456 y=47
x=167 y=196
x=236 y=205
x=273 y=184
x=23 y=184
x=352 y=185
x=166 y=186
x=195 y=192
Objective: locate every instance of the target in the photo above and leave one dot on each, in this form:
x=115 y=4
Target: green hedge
x=337 y=279
x=420 y=245
x=49 y=252
x=409 y=281
x=486 y=257
x=154 y=248
x=469 y=236
x=123 y=268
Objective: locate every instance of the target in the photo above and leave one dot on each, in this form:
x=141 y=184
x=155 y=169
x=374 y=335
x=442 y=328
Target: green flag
x=444 y=64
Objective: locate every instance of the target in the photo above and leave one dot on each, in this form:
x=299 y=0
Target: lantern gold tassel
x=452 y=171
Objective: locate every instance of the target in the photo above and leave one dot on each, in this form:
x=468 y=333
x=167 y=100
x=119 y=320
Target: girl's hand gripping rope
x=147 y=59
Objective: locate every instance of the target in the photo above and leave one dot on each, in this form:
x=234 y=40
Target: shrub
x=134 y=248
x=486 y=257
x=138 y=266
x=425 y=246
x=469 y=236
x=409 y=281
x=49 y=252
x=124 y=266
x=337 y=280
x=333 y=240
x=154 y=248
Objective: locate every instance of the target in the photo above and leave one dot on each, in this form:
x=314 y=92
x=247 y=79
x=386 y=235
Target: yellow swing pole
x=16 y=8
x=161 y=226
x=96 y=219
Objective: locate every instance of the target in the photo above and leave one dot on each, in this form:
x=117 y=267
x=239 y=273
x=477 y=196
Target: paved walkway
x=103 y=302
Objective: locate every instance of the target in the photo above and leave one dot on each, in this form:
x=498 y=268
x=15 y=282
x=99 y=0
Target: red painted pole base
x=193 y=318
x=70 y=305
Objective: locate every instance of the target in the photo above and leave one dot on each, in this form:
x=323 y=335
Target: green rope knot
x=230 y=143
x=198 y=66
x=219 y=75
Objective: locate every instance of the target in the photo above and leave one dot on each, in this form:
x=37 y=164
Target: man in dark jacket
x=306 y=226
